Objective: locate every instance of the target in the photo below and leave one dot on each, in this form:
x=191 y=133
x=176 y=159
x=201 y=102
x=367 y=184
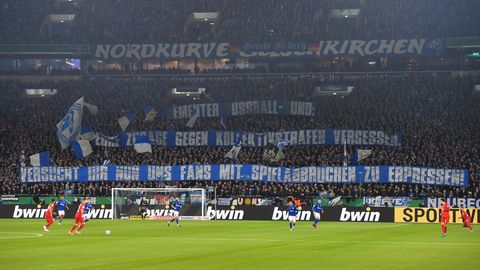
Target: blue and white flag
x=92 y=108
x=81 y=148
x=70 y=126
x=281 y=143
x=40 y=159
x=142 y=144
x=193 y=118
x=87 y=133
x=150 y=113
x=123 y=139
x=126 y=120
x=360 y=154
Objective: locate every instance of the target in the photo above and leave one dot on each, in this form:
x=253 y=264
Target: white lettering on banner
x=364 y=137
x=454 y=202
x=155 y=173
x=194 y=138
x=230 y=171
x=127 y=173
x=196 y=172
x=162 y=50
x=362 y=47
x=254 y=107
x=372 y=174
x=222 y=50
x=429 y=176
x=49 y=174
x=251 y=172
x=205 y=110
x=98 y=173
x=159 y=137
x=319 y=175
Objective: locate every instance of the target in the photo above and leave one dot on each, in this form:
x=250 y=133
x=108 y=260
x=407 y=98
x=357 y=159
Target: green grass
x=236 y=245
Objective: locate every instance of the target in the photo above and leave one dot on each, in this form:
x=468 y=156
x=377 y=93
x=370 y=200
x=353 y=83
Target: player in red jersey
x=445 y=217
x=79 y=220
x=49 y=215
x=466 y=220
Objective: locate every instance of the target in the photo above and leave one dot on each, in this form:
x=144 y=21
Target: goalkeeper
x=143 y=207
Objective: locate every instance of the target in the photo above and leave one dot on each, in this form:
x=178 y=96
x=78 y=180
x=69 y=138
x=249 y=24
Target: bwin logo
x=359 y=215
x=225 y=214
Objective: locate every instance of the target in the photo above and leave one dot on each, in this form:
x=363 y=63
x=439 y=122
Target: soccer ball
x=107 y=232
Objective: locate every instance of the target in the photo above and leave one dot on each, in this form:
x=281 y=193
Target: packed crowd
x=437 y=115
x=238 y=20
x=239 y=188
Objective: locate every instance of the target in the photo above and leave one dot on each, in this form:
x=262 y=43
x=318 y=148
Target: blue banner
x=249 y=172
x=256 y=139
x=252 y=107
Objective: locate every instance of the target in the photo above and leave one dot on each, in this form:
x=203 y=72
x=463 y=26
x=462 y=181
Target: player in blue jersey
x=88 y=209
x=292 y=214
x=62 y=205
x=176 y=206
x=317 y=211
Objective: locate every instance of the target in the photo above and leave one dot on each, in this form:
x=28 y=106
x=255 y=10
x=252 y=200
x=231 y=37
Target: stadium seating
x=240 y=20
x=437 y=115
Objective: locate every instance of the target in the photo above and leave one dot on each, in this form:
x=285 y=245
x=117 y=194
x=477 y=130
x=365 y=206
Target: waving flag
x=40 y=159
x=281 y=143
x=273 y=153
x=360 y=154
x=233 y=153
x=193 y=118
x=142 y=144
x=70 y=126
x=126 y=120
x=92 y=108
x=87 y=133
x=150 y=113
x=81 y=148
x=123 y=139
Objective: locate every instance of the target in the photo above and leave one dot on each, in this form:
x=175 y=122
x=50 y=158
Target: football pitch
x=236 y=245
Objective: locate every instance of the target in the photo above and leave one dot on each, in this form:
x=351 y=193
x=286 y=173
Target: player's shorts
x=79 y=219
x=445 y=219
x=176 y=213
x=49 y=218
x=316 y=215
x=143 y=210
x=466 y=223
x=292 y=218
x=61 y=212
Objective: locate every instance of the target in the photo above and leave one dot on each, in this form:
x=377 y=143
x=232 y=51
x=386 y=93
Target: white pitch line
x=18 y=235
x=297 y=240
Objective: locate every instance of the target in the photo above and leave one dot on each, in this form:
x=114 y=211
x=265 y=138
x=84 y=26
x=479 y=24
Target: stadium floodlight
x=126 y=203
x=204 y=16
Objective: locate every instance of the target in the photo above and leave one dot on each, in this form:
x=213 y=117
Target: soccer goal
x=126 y=203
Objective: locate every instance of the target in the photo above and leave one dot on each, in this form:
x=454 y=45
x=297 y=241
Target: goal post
x=126 y=203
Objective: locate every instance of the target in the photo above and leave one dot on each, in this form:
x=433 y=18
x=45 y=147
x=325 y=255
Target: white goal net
x=127 y=203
